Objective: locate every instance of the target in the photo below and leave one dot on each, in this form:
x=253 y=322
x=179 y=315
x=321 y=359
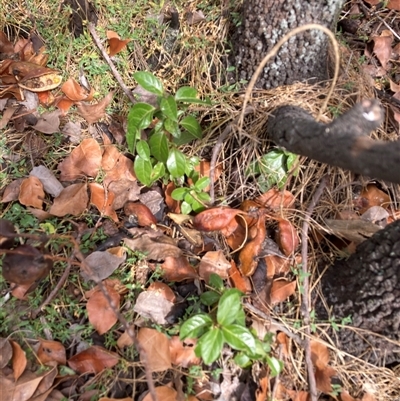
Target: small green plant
x=159 y=156
x=226 y=324
x=272 y=168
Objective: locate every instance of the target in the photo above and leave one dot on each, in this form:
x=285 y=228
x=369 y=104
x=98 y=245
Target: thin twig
x=305 y=307
x=106 y=57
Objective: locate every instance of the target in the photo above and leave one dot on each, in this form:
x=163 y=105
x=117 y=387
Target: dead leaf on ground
x=103 y=200
x=140 y=213
x=23 y=389
x=371 y=196
x=393 y=5
x=101 y=265
x=383 y=47
x=178 y=269
x=51 y=351
x=215 y=219
x=154 y=306
x=163 y=289
x=94 y=112
x=214 y=262
x=345 y=396
x=31 y=192
x=50 y=183
x=84 y=160
x=182 y=352
x=11 y=191
x=72 y=200
x=163 y=393
x=154 y=349
x=49 y=122
x=75 y=92
x=276 y=199
x=93 y=360
x=7 y=114
x=73 y=131
x=158 y=249
x=282 y=290
x=19 y=360
x=101 y=313
x=116 y=44
x=287 y=237
x=323 y=372
x=242 y=283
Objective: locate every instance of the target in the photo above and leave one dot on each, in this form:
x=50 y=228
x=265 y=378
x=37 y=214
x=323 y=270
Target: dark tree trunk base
x=367 y=287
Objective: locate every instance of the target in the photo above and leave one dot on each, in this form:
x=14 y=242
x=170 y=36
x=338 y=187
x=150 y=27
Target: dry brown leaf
x=345 y=396
x=140 y=213
x=155 y=349
x=101 y=314
x=116 y=44
x=393 y=5
x=7 y=114
x=74 y=91
x=21 y=390
x=242 y=283
x=368 y=397
x=72 y=200
x=19 y=360
x=84 y=160
x=11 y=191
x=283 y=340
x=214 y=219
x=173 y=205
x=178 y=269
x=282 y=290
x=94 y=112
x=383 y=49
x=276 y=199
x=214 y=262
x=49 y=122
x=103 y=200
x=158 y=249
x=31 y=192
x=163 y=289
x=287 y=237
x=371 y=196
x=182 y=352
x=5 y=352
x=152 y=305
x=93 y=360
x=248 y=256
x=51 y=351
x=125 y=340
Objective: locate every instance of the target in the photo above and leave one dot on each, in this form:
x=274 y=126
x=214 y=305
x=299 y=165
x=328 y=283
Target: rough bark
x=264 y=22
x=343 y=143
x=367 y=288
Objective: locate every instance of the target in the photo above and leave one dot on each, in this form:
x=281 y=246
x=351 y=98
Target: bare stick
x=106 y=57
x=305 y=307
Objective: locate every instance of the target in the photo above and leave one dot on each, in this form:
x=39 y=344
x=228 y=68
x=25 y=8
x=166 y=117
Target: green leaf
x=157 y=172
x=185 y=92
x=202 y=183
x=239 y=337
x=192 y=126
x=229 y=306
x=216 y=282
x=189 y=198
x=186 y=208
x=176 y=163
x=140 y=115
x=149 y=82
x=172 y=127
x=275 y=365
x=195 y=326
x=143 y=150
x=143 y=169
x=203 y=196
x=197 y=206
x=242 y=360
x=132 y=136
x=169 y=108
x=184 y=138
x=210 y=345
x=158 y=143
x=209 y=298
x=179 y=193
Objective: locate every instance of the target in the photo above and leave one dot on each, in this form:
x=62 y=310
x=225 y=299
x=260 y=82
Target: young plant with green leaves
x=226 y=324
x=159 y=157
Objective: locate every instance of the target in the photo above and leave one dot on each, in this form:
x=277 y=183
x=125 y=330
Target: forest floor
x=157 y=250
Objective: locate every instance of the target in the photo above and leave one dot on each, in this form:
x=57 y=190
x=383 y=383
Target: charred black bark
x=367 y=288
x=264 y=22
x=343 y=143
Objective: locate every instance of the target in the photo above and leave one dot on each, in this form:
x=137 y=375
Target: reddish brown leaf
x=276 y=199
x=282 y=290
x=214 y=219
x=94 y=112
x=235 y=233
x=323 y=379
x=182 y=352
x=84 y=160
x=93 y=360
x=72 y=200
x=214 y=262
x=141 y=213
x=393 y=5
x=5 y=45
x=287 y=237
x=345 y=396
x=19 y=360
x=51 y=351
x=178 y=269
x=383 y=48
x=154 y=349
x=239 y=281
x=74 y=91
x=163 y=393
x=283 y=340
x=371 y=196
x=63 y=103
x=101 y=314
x=115 y=43
x=31 y=192
x=103 y=200
x=163 y=289
x=248 y=256
x=173 y=205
